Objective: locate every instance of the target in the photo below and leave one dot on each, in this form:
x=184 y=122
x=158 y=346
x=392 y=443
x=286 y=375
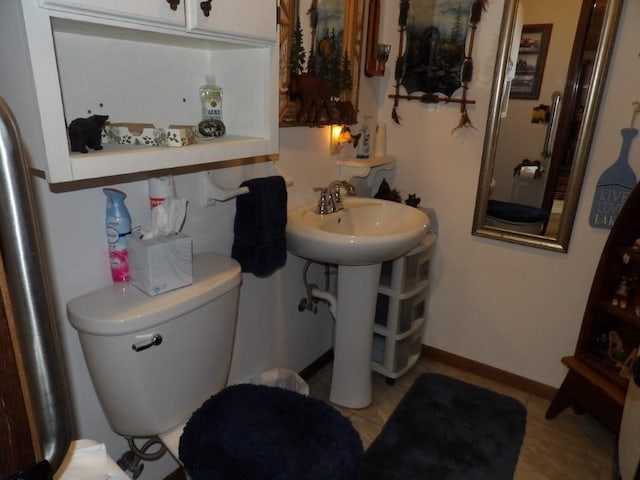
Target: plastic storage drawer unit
x=401 y=309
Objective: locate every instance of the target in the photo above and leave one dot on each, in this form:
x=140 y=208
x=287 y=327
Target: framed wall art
x=532 y=56
x=320 y=56
x=435 y=53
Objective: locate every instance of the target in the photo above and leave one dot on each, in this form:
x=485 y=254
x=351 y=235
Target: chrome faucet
x=331 y=197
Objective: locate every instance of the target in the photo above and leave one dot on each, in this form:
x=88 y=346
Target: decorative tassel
x=465 y=122
x=476 y=11
x=466 y=72
x=399 y=71
x=404 y=13
x=394 y=115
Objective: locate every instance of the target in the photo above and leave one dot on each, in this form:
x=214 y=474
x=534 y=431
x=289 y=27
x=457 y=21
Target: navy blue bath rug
x=256 y=432
x=446 y=429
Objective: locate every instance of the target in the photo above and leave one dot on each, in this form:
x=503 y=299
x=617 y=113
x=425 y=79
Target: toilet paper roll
x=381 y=140
x=528 y=174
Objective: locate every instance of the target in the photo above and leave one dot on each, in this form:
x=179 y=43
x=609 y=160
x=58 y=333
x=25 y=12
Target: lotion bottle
x=211 y=99
x=364 y=145
x=118 y=229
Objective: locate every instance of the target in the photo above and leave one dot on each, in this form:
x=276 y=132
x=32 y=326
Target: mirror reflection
x=551 y=69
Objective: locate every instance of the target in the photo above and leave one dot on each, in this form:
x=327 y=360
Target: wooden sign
x=614 y=186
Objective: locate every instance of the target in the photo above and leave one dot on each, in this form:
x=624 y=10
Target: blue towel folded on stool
x=260 y=242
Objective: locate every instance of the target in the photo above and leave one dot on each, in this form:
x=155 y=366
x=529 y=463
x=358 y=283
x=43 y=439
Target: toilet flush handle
x=147 y=341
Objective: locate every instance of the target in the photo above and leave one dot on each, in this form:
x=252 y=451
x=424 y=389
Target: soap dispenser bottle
x=365 y=140
x=118 y=229
x=211 y=99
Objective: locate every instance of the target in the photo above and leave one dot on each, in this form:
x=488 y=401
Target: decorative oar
x=616 y=182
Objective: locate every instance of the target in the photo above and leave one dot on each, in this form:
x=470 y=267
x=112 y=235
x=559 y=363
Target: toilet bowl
x=517 y=217
x=520 y=213
x=154 y=360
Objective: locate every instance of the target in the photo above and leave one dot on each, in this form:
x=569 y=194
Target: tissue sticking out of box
x=166 y=218
x=160 y=258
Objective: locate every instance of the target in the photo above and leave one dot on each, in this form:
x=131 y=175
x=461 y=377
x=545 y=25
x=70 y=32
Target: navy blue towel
x=260 y=242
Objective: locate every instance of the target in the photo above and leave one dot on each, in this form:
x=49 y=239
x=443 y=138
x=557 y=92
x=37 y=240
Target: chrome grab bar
x=31 y=303
x=550 y=137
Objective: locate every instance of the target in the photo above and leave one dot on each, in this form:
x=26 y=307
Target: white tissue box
x=160 y=264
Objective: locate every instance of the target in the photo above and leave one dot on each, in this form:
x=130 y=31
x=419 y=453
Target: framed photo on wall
x=532 y=56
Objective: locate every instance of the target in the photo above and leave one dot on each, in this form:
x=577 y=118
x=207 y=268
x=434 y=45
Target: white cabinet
x=159 y=11
x=401 y=311
x=248 y=18
x=236 y=18
x=66 y=64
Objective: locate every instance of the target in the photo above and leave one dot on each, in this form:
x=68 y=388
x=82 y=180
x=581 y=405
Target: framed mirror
x=536 y=148
x=320 y=57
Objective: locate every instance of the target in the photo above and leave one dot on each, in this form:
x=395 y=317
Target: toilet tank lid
x=121 y=308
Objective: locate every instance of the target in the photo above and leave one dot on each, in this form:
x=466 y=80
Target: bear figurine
x=86 y=132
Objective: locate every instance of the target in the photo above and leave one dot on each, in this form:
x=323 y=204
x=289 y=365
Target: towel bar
x=212 y=191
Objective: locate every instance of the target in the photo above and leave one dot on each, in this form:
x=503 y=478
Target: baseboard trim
x=490 y=373
x=176 y=475
x=317 y=365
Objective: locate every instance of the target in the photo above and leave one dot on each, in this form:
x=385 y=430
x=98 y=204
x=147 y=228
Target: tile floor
x=569 y=447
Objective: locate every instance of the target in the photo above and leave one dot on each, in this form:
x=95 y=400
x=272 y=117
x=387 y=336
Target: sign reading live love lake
x=614 y=186
x=607 y=204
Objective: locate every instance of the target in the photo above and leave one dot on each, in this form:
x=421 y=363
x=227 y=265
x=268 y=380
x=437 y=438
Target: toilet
x=517 y=217
x=520 y=213
x=160 y=366
x=142 y=350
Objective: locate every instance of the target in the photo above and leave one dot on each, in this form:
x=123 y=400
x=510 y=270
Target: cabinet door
x=157 y=11
x=244 y=18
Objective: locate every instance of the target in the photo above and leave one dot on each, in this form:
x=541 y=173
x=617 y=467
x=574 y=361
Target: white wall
x=512 y=307
x=515 y=308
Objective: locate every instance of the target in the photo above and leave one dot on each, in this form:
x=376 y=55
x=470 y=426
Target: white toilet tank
x=147 y=392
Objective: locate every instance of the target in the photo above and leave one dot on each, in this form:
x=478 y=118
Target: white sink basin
x=358 y=239
x=366 y=231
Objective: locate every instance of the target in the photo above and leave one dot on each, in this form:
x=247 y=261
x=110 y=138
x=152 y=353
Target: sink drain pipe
x=328 y=297
x=314 y=293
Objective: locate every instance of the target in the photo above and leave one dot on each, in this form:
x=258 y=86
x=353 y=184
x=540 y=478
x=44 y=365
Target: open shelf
x=136 y=69
x=594 y=382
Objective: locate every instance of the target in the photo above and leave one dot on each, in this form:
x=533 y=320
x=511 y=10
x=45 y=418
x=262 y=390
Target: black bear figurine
x=86 y=132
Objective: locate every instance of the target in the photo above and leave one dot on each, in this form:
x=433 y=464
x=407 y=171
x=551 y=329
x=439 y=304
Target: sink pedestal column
x=353 y=339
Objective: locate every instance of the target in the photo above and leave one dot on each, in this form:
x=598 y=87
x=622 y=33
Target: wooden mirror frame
x=586 y=131
x=352 y=46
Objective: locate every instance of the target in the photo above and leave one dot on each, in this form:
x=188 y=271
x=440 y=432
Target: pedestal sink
x=357 y=239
